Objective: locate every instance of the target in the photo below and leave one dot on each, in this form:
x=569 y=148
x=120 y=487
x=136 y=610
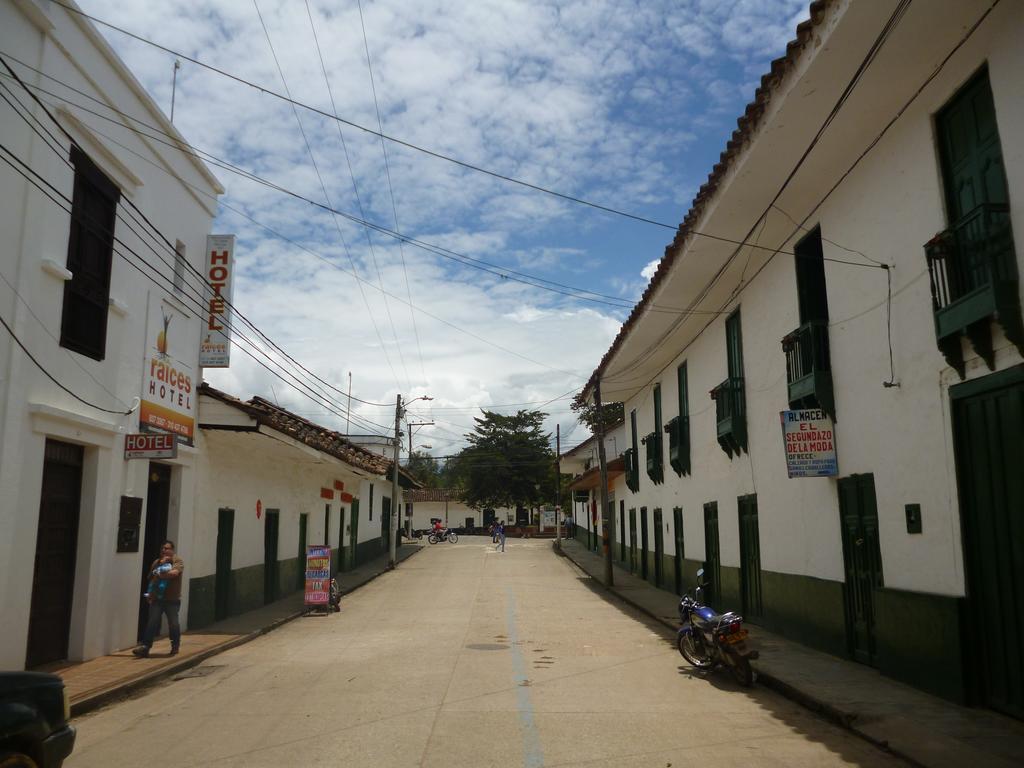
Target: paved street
x=463 y=657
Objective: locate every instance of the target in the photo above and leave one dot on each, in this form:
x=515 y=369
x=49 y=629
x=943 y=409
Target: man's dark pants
x=157 y=610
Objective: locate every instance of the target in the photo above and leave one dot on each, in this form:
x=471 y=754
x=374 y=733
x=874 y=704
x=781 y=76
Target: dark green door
x=750 y=557
x=341 y=540
x=712 y=558
x=989 y=441
x=222 y=579
x=862 y=561
x=622 y=531
x=659 y=548
x=677 y=528
x=644 y=542
x=353 y=539
x=300 y=575
x=632 y=541
x=270 y=564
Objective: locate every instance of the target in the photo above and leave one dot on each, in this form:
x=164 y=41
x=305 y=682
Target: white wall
x=32 y=408
x=887 y=209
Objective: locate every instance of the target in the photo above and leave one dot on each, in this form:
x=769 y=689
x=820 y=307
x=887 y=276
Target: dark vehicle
x=34 y=730
x=707 y=639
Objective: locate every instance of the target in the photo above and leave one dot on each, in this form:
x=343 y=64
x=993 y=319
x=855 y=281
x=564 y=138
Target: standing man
x=166 y=601
x=500 y=532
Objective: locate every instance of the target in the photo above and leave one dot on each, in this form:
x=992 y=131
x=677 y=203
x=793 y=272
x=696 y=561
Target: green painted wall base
x=805 y=609
x=919 y=641
x=246 y=591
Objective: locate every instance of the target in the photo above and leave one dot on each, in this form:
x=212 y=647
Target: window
x=972 y=265
x=653 y=442
x=679 y=428
x=179 y=266
x=632 y=457
x=730 y=406
x=370 y=510
x=90 y=250
x=808 y=360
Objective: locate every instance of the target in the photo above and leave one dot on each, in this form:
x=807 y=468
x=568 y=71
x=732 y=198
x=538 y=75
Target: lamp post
x=396 y=502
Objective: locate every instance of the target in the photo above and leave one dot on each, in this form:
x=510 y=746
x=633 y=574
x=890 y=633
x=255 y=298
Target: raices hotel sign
x=168 y=377
x=215 y=338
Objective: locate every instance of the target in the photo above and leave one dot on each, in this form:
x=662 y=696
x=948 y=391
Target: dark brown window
x=90 y=250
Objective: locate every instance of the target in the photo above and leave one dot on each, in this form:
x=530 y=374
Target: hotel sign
x=150 y=446
x=168 y=378
x=215 y=338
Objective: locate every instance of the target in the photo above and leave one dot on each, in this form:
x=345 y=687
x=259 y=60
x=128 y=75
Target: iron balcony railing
x=730 y=415
x=632 y=470
x=678 y=430
x=655 y=470
x=806 y=351
x=971 y=255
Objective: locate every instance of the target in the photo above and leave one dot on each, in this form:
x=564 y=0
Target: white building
x=583 y=463
x=918 y=536
x=269 y=484
x=90 y=306
x=449 y=506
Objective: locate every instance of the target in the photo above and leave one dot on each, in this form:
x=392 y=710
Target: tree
x=508 y=462
x=586 y=412
x=424 y=468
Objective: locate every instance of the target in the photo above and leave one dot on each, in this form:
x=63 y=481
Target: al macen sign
x=809 y=439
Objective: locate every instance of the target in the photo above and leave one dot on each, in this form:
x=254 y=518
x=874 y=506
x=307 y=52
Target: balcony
x=972 y=268
x=632 y=470
x=678 y=430
x=808 y=368
x=655 y=465
x=731 y=415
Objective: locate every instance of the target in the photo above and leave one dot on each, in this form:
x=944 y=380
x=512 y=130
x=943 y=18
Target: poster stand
x=317 y=595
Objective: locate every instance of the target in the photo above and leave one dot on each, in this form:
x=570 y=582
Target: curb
x=836 y=716
x=99 y=699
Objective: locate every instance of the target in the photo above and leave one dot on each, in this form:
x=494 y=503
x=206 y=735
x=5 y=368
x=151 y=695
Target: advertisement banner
x=318 y=575
x=808 y=438
x=215 y=338
x=167 y=376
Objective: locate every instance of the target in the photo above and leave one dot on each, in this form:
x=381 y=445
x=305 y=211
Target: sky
x=623 y=104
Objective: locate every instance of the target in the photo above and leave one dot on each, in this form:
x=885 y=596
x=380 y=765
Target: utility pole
x=558 y=485
x=410 y=425
x=607 y=528
x=174 y=86
x=395 y=501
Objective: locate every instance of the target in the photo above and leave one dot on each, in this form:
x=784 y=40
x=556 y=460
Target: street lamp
x=396 y=502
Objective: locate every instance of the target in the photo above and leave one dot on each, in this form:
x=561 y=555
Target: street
x=464 y=656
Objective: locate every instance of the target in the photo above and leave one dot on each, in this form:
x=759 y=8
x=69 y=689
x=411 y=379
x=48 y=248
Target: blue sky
x=624 y=104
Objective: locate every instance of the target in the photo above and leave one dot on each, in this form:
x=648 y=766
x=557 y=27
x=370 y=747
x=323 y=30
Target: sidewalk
x=93 y=683
x=921 y=728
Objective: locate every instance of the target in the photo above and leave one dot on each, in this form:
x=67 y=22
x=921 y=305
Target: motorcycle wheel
x=453 y=538
x=742 y=671
x=693 y=652
x=432 y=538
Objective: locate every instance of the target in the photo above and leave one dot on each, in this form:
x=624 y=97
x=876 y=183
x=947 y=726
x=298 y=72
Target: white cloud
x=648 y=272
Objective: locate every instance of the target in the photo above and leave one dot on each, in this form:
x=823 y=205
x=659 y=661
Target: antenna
x=174 y=86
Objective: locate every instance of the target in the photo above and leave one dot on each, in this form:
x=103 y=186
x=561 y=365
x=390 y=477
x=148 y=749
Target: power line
x=166 y=242
x=327 y=198
x=298 y=245
x=387 y=171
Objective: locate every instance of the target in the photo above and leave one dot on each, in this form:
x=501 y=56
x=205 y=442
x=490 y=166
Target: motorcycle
x=707 y=639
x=446 y=535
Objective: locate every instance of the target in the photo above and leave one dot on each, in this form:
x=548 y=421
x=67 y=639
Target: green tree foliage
x=586 y=412
x=508 y=462
x=424 y=468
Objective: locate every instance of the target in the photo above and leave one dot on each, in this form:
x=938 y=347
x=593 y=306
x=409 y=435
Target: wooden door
x=632 y=541
x=300 y=576
x=862 y=561
x=677 y=528
x=750 y=557
x=989 y=445
x=222 y=579
x=353 y=537
x=53 y=579
x=712 y=558
x=158 y=501
x=644 y=542
x=659 y=548
x=622 y=531
x=342 y=556
x=270 y=557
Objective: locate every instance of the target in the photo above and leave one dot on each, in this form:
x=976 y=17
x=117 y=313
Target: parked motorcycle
x=446 y=535
x=707 y=639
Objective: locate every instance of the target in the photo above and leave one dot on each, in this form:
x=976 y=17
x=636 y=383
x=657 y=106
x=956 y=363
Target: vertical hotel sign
x=215 y=339
x=168 y=376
